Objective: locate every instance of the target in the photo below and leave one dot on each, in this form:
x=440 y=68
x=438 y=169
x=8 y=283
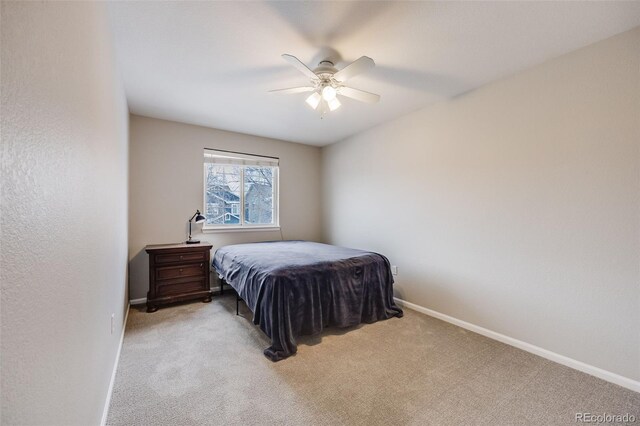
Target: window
x=240 y=190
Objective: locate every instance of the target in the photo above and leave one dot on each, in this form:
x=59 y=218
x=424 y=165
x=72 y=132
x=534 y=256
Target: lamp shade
x=200 y=218
x=334 y=104
x=328 y=93
x=314 y=100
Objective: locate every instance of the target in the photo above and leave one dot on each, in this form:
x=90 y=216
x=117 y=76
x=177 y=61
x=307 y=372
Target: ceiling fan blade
x=293 y=90
x=354 y=68
x=300 y=66
x=359 y=95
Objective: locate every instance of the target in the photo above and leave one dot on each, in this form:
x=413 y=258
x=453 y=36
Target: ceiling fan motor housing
x=325 y=69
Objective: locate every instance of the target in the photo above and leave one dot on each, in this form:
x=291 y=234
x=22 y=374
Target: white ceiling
x=212 y=63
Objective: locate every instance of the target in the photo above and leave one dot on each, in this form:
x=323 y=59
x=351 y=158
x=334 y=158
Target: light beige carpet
x=201 y=364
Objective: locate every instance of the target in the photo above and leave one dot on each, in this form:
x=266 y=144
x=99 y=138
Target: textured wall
x=514 y=207
x=63 y=212
x=166 y=178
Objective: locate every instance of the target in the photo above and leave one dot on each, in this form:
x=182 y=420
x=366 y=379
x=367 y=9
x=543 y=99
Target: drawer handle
x=181 y=257
x=201 y=265
x=180 y=270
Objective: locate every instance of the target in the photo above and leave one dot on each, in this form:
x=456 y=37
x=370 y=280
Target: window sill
x=241 y=229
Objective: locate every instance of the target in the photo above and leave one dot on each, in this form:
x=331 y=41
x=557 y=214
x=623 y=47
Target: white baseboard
x=617 y=379
x=137 y=301
x=105 y=411
x=143 y=300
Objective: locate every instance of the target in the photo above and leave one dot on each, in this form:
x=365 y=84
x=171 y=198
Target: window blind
x=237 y=158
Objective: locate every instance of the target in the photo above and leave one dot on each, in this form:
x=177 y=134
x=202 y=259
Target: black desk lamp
x=199 y=219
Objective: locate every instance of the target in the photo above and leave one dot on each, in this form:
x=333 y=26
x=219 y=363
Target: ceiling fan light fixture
x=328 y=93
x=326 y=83
x=314 y=100
x=334 y=104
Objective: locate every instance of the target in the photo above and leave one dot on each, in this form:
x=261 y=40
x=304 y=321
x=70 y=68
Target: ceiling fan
x=327 y=83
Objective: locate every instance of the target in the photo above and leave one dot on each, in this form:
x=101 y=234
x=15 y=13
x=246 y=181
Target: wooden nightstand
x=178 y=272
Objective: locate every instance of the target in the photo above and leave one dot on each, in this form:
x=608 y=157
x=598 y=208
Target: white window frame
x=243 y=227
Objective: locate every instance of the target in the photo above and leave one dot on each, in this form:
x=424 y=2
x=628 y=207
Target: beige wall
x=63 y=212
x=515 y=207
x=166 y=187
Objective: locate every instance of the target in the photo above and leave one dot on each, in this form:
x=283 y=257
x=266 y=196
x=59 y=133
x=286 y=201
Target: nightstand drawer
x=190 y=270
x=180 y=286
x=200 y=256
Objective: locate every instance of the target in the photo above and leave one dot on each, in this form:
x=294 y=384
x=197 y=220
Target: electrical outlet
x=394 y=270
x=113 y=322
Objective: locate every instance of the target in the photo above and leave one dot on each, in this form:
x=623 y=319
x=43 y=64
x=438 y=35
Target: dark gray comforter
x=300 y=287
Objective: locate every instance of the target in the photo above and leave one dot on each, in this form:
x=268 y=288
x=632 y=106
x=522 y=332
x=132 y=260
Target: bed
x=298 y=288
